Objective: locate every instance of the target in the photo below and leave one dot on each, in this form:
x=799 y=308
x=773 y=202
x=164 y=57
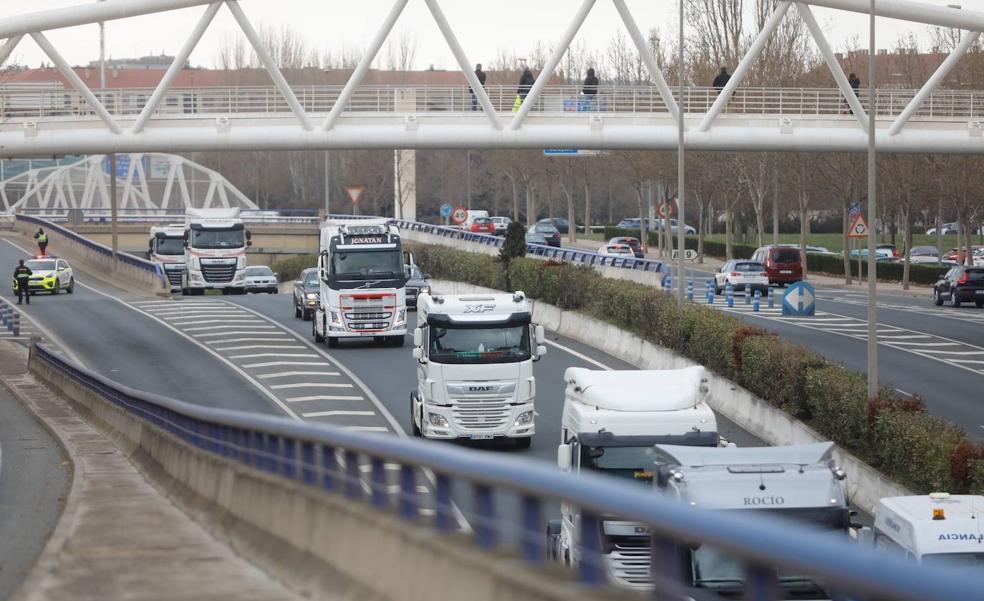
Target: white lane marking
x=904 y=337
x=921 y=344
x=286 y=374
x=323 y=397
x=371 y=429
x=938 y=352
x=276 y=363
x=195 y=321
x=269 y=339
x=309 y=385
x=237 y=333
x=210 y=328
x=205 y=348
x=580 y=356
x=973 y=361
x=281 y=355
x=337 y=413
x=252 y=347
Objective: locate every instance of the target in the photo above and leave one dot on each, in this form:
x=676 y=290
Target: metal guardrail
x=326 y=457
x=102 y=249
x=284 y=216
x=17 y=102
x=568 y=255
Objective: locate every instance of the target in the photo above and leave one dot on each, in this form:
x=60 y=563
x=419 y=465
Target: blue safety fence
x=9 y=318
x=568 y=255
x=102 y=249
x=331 y=459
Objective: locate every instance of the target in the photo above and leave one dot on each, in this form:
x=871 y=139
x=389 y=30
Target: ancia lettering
x=962 y=536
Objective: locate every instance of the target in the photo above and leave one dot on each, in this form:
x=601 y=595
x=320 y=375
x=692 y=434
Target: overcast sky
x=484 y=28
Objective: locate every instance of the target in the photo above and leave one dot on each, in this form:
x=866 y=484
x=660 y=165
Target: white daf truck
x=611 y=423
x=364 y=274
x=166 y=248
x=475 y=357
x=934 y=529
x=215 y=251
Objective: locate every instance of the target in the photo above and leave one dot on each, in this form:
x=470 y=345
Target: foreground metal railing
x=29 y=102
x=332 y=459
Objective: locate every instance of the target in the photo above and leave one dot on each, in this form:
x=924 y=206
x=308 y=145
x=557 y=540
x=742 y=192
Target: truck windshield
x=170 y=246
x=633 y=463
x=367 y=264
x=958 y=560
x=473 y=345
x=717 y=570
x=218 y=238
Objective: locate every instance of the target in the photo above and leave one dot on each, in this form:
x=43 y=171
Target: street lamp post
x=872 y=214
x=681 y=190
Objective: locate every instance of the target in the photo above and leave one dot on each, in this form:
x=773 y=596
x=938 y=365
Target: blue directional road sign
x=799 y=299
x=446 y=210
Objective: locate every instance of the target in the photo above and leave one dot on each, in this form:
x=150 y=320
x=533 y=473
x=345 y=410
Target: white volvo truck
x=612 y=422
x=475 y=357
x=363 y=282
x=215 y=251
x=166 y=248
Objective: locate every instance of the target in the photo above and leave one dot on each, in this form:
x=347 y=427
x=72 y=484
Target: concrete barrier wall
x=865 y=485
x=649 y=278
x=321 y=544
x=132 y=272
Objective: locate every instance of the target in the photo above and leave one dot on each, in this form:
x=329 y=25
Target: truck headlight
x=524 y=418
x=438 y=420
x=424 y=290
x=334 y=317
x=401 y=317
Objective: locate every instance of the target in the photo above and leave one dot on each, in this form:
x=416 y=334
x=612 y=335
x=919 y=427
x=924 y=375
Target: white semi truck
x=612 y=422
x=364 y=274
x=475 y=357
x=166 y=248
x=215 y=251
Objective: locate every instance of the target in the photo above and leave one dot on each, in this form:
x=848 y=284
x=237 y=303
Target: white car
x=501 y=225
x=742 y=275
x=979 y=257
x=948 y=228
x=260 y=278
x=621 y=250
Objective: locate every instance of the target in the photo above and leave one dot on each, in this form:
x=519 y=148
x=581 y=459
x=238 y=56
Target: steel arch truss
x=817 y=120
x=146 y=181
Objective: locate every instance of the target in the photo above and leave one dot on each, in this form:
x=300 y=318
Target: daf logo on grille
x=483 y=308
x=479 y=389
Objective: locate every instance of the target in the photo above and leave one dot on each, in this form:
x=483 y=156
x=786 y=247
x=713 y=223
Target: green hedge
x=290 y=269
x=896 y=435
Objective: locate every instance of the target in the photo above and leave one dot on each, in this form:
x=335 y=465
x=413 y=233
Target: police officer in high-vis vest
x=42 y=239
x=22 y=275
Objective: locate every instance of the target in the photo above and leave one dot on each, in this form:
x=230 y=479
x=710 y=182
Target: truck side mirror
x=541 y=350
x=541 y=335
x=564 y=458
x=418 y=354
x=418 y=337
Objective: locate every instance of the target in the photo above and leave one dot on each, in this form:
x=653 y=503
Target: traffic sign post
x=459 y=215
x=858 y=230
x=688 y=254
x=800 y=299
x=446 y=210
x=355 y=195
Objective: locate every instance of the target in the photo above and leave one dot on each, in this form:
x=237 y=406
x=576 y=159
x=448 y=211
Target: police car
x=50 y=274
x=933 y=529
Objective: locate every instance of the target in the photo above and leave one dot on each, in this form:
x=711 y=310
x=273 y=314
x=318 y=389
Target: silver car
x=260 y=278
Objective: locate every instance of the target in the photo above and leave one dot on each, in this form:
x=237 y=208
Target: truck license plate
x=786 y=271
x=481 y=437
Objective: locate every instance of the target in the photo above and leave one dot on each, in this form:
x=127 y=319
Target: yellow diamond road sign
x=859 y=229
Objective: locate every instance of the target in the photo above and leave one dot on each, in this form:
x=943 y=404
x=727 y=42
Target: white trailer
x=166 y=248
x=363 y=272
x=475 y=356
x=215 y=251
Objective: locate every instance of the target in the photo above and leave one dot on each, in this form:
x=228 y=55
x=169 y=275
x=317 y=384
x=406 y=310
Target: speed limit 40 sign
x=459 y=215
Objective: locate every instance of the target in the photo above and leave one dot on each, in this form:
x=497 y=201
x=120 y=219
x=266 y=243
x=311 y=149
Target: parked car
x=782 y=263
x=633 y=243
x=563 y=226
x=979 y=257
x=948 y=228
x=925 y=255
x=881 y=254
x=957 y=255
x=260 y=278
x=418 y=283
x=536 y=238
x=962 y=284
x=688 y=230
x=742 y=275
x=623 y=250
x=629 y=223
x=482 y=225
x=307 y=291
x=889 y=247
x=818 y=250
x=501 y=225
x=551 y=233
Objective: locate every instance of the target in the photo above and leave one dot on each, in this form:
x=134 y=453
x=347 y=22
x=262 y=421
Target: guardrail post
x=757 y=303
x=259 y=450
x=289 y=458
x=590 y=569
x=329 y=465
x=442 y=497
x=378 y=487
x=273 y=450
x=3 y=314
x=772 y=298
x=709 y=292
x=690 y=291
x=730 y=294
x=532 y=534
x=307 y=462
x=408 y=493
x=353 y=477
x=748 y=295
x=485 y=527
x=15 y=323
